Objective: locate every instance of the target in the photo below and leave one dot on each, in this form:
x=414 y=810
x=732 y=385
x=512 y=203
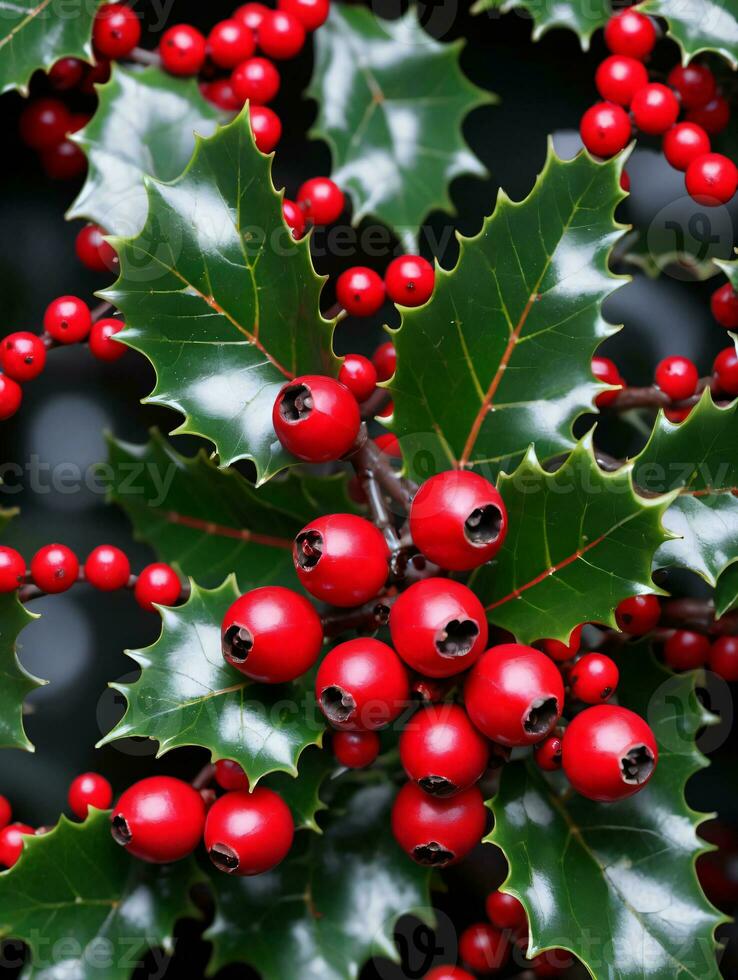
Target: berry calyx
x=608 y=753
x=11 y=842
x=458 y=520
x=256 y=80
x=101 y=342
x=514 y=694
x=677 y=377
x=316 y=418
x=360 y=291
x=54 y=568
x=322 y=200
x=607 y=371
x=436 y=831
x=266 y=127
x=94 y=252
x=438 y=627
x=619 y=77
x=639 y=614
x=442 y=751
x=483 y=948
x=280 y=35
x=89 y=789
x=630 y=33
x=384 y=360
x=159 y=819
x=229 y=775
x=723 y=658
x=686 y=650
x=158 y=583
x=361 y=685
x=271 y=634
x=561 y=652
x=294 y=219
x=22 y=356
x=116 y=30
x=44 y=123
x=605 y=129
x=359 y=375
x=683 y=143
x=409 y=280
x=655 y=108
x=506 y=912
x=712 y=179
x=725 y=368
x=724 y=306
x=12 y=569
x=694 y=83
x=594 y=678
x=355 y=750
x=713 y=117
x=311 y=13
x=182 y=50
x=107 y=568
x=230 y=42
x=67 y=319
x=248 y=833
x=11 y=396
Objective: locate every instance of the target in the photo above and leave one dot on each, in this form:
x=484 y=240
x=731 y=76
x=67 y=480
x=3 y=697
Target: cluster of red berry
x=623 y=82
x=408 y=281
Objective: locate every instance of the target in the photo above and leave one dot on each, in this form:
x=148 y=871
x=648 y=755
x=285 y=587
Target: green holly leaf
x=512 y=328
x=85 y=908
x=616 y=883
x=707 y=529
x=726 y=591
x=15 y=682
x=580 y=541
x=580 y=16
x=222 y=300
x=302 y=795
x=329 y=907
x=35 y=35
x=710 y=25
x=188 y=695
x=144 y=125
x=391 y=101
x=211 y=522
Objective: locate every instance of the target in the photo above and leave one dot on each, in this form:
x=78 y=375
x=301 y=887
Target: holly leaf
x=512 y=328
x=144 y=124
x=580 y=16
x=302 y=795
x=708 y=25
x=211 y=522
x=627 y=901
x=188 y=695
x=329 y=907
x=580 y=541
x=222 y=300
x=707 y=535
x=391 y=102
x=15 y=682
x=83 y=905
x=726 y=591
x=37 y=33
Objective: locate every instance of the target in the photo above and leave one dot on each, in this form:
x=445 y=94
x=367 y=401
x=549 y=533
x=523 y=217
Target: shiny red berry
x=638 y=614
x=619 y=77
x=506 y=912
x=359 y=375
x=229 y=775
x=606 y=371
x=182 y=50
x=694 y=83
x=605 y=129
x=89 y=789
x=438 y=627
x=316 y=418
x=630 y=33
x=724 y=306
x=442 y=751
x=311 y=13
x=44 y=123
x=222 y=94
x=67 y=319
x=409 y=280
x=683 y=143
x=11 y=842
x=361 y=685
x=355 y=750
x=448 y=972
x=66 y=74
x=514 y=694
x=107 y=568
x=249 y=833
x=6 y=812
x=723 y=658
x=11 y=396
x=677 y=377
x=294 y=219
x=725 y=368
x=266 y=127
x=389 y=445
x=594 y=678
x=655 y=108
x=435 y=831
x=116 y=31
x=256 y=80
x=12 y=571
x=483 y=948
x=341 y=559
x=609 y=753
x=230 y=42
x=22 y=356
x=547 y=753
x=322 y=200
x=686 y=650
x=561 y=652
x=96 y=74
x=64 y=161
x=54 y=568
x=101 y=342
x=158 y=583
x=360 y=291
x=251 y=14
x=384 y=360
x=625 y=181
x=713 y=117
x=280 y=35
x=159 y=819
x=94 y=252
x=458 y=520
x=712 y=179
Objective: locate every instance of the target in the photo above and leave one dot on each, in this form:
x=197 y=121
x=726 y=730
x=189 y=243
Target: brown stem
x=368 y=617
x=142 y=56
x=374 y=403
x=698 y=615
x=367 y=456
x=652 y=397
x=204 y=777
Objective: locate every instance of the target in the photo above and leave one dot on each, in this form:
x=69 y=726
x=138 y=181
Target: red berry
x=677 y=415
x=514 y=694
x=438 y=627
x=552 y=963
x=713 y=117
x=638 y=614
x=409 y=280
x=360 y=291
x=609 y=753
x=631 y=33
x=341 y=559
x=458 y=520
x=280 y=35
x=683 y=143
x=101 y=342
x=548 y=752
x=229 y=775
x=723 y=658
x=251 y=15
x=97 y=74
x=230 y=42
x=159 y=819
x=23 y=356
x=506 y=912
x=182 y=50
x=6 y=812
x=361 y=685
x=594 y=678
x=384 y=360
x=11 y=842
x=359 y=375
x=725 y=368
x=11 y=396
x=447 y=972
x=321 y=199
x=389 y=444
x=44 y=123
x=266 y=127
x=256 y=80
x=89 y=789
x=295 y=221
x=157 y=583
x=483 y=949
x=54 y=568
x=724 y=306
x=712 y=179
x=694 y=83
x=655 y=108
x=619 y=77
x=387 y=412
x=271 y=634
x=435 y=831
x=63 y=161
x=66 y=74
x=606 y=371
x=355 y=750
x=116 y=31
x=677 y=377
x=625 y=181
x=67 y=319
x=561 y=652
x=311 y=13
x=605 y=129
x=222 y=94
x=249 y=833
x=686 y=650
x=316 y=418
x=94 y=252
x=442 y=751
x=12 y=573
x=107 y=568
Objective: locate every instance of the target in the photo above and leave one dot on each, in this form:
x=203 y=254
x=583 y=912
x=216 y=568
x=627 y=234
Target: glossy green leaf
x=642 y=252
x=144 y=125
x=302 y=795
x=222 y=300
x=581 y=16
x=512 y=328
x=211 y=522
x=86 y=908
x=188 y=695
x=391 y=101
x=34 y=34
x=580 y=540
x=708 y=535
x=329 y=907
x=726 y=591
x=15 y=682
x=703 y=25
x=616 y=883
